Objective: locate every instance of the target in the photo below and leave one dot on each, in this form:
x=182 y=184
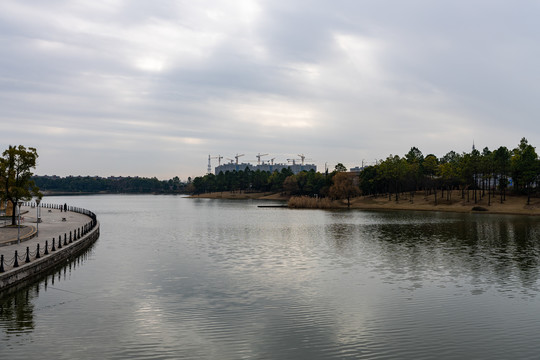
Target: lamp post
x=37 y=217
x=20 y=202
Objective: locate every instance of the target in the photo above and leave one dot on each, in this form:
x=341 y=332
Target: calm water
x=174 y=278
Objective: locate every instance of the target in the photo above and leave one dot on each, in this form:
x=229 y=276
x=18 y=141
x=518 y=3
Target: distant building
x=357 y=169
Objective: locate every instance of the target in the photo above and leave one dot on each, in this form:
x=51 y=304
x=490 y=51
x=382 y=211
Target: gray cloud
x=137 y=88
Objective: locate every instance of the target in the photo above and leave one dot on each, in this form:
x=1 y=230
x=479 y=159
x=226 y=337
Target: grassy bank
x=417 y=201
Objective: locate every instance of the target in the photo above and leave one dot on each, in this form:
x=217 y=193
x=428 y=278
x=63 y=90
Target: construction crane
x=292 y=160
x=303 y=157
x=259 y=156
x=219 y=157
x=237 y=156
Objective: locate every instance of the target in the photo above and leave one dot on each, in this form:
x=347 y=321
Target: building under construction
x=295 y=165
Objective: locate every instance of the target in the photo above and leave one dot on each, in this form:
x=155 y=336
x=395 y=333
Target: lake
x=178 y=278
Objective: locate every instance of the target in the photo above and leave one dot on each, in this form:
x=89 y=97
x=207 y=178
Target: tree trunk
x=14 y=213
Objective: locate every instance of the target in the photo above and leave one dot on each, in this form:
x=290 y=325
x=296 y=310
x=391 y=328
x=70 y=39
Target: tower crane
x=303 y=157
x=237 y=156
x=259 y=156
x=219 y=157
x=292 y=160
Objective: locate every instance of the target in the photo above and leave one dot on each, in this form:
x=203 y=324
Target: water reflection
x=17 y=305
x=490 y=250
x=17 y=311
x=175 y=278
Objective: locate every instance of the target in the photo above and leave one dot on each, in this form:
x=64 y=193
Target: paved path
x=52 y=225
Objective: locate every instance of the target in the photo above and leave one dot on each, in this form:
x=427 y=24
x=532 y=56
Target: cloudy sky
x=151 y=88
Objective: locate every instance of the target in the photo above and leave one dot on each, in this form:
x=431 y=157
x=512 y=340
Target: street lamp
x=37 y=217
x=20 y=202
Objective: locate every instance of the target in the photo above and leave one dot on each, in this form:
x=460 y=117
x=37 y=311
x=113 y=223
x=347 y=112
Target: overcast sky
x=151 y=88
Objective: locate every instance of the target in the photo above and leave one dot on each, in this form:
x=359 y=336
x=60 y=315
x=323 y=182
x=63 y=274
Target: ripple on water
x=226 y=280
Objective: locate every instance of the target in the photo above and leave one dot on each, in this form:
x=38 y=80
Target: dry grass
x=512 y=205
x=306 y=202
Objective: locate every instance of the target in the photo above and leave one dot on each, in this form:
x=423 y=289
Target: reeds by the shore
x=307 y=202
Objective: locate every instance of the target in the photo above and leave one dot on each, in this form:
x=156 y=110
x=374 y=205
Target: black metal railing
x=41 y=251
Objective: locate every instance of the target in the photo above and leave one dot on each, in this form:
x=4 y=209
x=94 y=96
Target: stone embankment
x=26 y=252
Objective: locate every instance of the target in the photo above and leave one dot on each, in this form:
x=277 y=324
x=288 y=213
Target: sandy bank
x=512 y=205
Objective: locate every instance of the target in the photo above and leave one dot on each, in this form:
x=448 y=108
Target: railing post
x=46 y=247
x=65 y=239
x=59 y=241
x=70 y=240
x=53 y=248
x=37 y=252
x=16 y=263
x=27 y=255
x=2 y=263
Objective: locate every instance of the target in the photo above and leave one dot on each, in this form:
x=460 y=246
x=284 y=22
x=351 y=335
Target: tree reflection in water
x=17 y=311
x=17 y=305
x=498 y=250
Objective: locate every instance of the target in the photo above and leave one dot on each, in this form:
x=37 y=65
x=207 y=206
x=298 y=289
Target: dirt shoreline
x=513 y=205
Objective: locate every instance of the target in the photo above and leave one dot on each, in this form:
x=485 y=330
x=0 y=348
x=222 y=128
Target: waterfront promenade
x=54 y=224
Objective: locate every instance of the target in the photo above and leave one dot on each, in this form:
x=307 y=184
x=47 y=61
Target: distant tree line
x=96 y=184
x=304 y=183
x=242 y=180
x=475 y=175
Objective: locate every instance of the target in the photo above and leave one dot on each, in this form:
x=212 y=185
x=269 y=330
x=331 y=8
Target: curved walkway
x=8 y=234
x=54 y=223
